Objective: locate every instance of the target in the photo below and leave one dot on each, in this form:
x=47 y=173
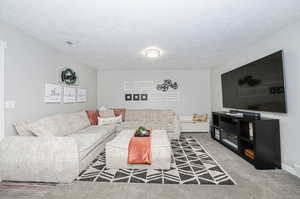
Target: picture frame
x=144 y=97
x=53 y=93
x=128 y=97
x=69 y=95
x=81 y=95
x=136 y=97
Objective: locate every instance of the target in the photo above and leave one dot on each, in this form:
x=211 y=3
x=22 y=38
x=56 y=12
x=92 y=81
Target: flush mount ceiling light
x=152 y=52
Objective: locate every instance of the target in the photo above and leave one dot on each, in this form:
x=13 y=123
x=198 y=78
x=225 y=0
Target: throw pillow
x=109 y=120
x=200 y=118
x=107 y=113
x=93 y=116
x=102 y=108
x=120 y=111
x=44 y=127
x=23 y=128
x=77 y=121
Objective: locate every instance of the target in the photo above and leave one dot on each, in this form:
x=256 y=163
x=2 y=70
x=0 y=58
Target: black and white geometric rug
x=191 y=164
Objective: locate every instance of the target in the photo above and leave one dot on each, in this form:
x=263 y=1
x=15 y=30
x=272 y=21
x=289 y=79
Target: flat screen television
x=257 y=86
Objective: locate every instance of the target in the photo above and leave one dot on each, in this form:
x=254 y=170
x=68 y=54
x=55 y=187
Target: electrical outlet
x=10 y=104
x=297 y=169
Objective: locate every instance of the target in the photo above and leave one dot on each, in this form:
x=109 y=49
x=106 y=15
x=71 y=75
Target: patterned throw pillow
x=200 y=118
x=120 y=111
x=109 y=120
x=93 y=116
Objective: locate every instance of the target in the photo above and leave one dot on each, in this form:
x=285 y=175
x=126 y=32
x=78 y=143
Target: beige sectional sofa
x=58 y=147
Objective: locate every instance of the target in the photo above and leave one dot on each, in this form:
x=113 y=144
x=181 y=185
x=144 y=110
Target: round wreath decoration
x=68 y=76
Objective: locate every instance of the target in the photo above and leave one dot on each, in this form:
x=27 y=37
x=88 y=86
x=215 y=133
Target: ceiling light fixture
x=152 y=52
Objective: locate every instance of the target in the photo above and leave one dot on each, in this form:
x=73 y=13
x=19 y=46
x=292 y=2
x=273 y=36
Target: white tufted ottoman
x=117 y=151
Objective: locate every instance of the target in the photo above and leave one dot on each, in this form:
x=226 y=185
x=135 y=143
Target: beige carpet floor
x=251 y=184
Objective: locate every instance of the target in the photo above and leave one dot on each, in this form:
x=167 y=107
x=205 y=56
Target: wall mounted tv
x=257 y=86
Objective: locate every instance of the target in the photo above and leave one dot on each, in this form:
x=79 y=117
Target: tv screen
x=257 y=86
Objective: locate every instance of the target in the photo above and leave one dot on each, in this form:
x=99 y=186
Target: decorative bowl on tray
x=142 y=132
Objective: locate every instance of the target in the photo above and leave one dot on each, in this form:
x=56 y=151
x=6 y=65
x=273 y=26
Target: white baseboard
x=290 y=169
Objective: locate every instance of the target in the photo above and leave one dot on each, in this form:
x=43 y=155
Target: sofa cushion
x=23 y=128
x=89 y=138
x=161 y=115
x=156 y=125
x=132 y=124
x=55 y=125
x=98 y=129
x=136 y=114
x=77 y=121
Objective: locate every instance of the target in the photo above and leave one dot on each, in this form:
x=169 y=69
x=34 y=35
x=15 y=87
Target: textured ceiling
x=111 y=34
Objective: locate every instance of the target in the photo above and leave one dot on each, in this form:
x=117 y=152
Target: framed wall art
x=81 y=95
x=69 y=95
x=144 y=97
x=128 y=97
x=136 y=97
x=53 y=93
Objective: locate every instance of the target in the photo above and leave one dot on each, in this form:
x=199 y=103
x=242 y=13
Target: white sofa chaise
x=64 y=146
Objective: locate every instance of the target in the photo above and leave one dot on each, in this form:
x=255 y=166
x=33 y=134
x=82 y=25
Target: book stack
x=249 y=153
x=251 y=131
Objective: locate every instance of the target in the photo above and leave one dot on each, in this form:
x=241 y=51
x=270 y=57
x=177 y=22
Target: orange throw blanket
x=139 y=150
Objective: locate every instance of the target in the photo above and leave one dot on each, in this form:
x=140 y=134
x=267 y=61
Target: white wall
x=2 y=49
x=29 y=64
x=288 y=40
x=194 y=89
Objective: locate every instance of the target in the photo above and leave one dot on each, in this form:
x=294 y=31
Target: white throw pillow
x=118 y=119
x=102 y=108
x=109 y=120
x=107 y=113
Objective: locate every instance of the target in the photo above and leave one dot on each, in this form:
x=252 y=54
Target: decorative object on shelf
x=52 y=93
x=144 y=97
x=69 y=95
x=68 y=76
x=136 y=97
x=81 y=95
x=128 y=97
x=249 y=153
x=142 y=132
x=167 y=83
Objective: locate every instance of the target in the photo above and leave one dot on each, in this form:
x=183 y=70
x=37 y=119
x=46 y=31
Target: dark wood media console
x=255 y=140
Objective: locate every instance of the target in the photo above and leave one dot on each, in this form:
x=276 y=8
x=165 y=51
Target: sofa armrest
x=177 y=127
x=39 y=159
